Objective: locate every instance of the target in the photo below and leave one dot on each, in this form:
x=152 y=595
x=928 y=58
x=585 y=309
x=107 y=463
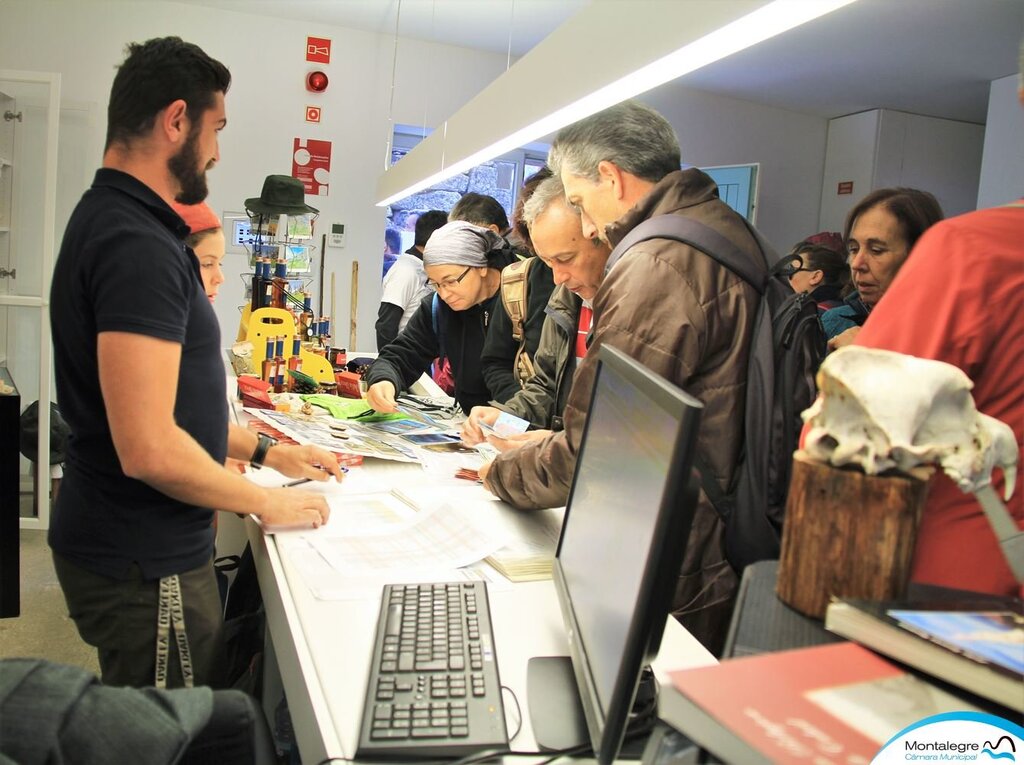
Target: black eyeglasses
x=450 y=283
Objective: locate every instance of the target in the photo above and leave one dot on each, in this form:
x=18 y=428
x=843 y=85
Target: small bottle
x=293 y=362
x=279 y=372
x=306 y=317
x=268 y=285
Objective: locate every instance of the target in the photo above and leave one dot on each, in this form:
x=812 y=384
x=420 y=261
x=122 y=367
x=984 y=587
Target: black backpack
x=787 y=347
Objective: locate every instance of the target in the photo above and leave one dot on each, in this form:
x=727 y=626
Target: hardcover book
x=976 y=645
x=837 y=703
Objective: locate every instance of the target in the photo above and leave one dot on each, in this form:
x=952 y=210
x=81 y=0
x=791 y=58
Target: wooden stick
x=353 y=305
x=334 y=316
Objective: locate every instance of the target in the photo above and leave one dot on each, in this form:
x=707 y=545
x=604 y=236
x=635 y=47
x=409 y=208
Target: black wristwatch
x=263 y=445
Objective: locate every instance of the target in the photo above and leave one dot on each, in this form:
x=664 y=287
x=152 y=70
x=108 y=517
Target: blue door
x=737 y=186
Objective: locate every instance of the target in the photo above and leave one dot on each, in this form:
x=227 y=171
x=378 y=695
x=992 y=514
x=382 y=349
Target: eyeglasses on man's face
x=450 y=282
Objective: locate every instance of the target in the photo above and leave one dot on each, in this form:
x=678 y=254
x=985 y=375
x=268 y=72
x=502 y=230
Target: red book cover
x=836 y=703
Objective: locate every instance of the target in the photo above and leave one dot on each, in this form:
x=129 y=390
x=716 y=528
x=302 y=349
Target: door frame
x=51 y=80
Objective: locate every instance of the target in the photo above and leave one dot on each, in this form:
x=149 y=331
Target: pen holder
x=847 y=534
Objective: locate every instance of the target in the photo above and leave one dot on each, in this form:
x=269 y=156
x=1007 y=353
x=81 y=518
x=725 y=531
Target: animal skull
x=882 y=410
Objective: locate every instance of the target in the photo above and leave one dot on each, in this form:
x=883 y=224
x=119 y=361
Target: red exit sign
x=845 y=187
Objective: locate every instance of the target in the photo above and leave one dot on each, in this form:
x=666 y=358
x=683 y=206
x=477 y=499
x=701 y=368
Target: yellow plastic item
x=268 y=322
x=316 y=367
x=271 y=322
x=243 y=323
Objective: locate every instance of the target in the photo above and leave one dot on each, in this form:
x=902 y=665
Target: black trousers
x=119 y=618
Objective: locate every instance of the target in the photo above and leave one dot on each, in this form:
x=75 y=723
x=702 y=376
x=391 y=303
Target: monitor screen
x=629 y=512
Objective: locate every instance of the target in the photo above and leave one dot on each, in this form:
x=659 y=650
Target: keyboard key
x=389 y=734
x=394 y=622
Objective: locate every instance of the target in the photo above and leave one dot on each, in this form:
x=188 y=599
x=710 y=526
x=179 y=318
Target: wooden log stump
x=846 y=534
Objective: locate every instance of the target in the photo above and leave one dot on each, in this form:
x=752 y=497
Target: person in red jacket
x=960 y=299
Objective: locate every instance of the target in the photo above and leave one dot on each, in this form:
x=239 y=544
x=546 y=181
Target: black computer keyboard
x=433 y=689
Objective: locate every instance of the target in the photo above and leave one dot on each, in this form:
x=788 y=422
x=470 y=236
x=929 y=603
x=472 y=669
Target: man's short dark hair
x=480 y=210
x=393 y=239
x=427 y=224
x=155 y=74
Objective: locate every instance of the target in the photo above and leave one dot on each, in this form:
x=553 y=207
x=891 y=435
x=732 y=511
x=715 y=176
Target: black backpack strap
x=719 y=500
x=704 y=238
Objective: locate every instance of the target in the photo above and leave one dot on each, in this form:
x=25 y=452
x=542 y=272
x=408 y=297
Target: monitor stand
x=556 y=712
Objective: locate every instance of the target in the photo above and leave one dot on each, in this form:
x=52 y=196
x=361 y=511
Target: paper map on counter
x=346 y=436
x=439 y=539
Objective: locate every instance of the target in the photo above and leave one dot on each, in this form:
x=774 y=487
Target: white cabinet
x=9 y=116
x=884 y=147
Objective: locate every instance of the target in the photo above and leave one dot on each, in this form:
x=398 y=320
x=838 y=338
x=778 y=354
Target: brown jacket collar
x=674 y=192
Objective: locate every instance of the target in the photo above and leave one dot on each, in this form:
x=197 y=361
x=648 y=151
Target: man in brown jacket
x=669 y=306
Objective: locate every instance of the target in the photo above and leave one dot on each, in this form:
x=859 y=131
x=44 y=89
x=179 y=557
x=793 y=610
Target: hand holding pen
x=300 y=481
x=310 y=462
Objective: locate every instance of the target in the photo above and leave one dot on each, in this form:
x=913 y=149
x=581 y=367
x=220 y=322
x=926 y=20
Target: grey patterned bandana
x=460 y=244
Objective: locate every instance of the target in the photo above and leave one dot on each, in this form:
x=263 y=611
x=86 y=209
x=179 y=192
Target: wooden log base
x=846 y=534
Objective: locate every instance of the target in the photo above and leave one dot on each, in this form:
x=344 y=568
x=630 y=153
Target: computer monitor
x=630 y=509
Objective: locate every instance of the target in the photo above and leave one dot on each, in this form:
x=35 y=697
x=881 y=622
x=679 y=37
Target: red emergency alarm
x=316 y=81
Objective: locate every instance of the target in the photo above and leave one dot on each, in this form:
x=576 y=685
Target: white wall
x=1002 y=164
x=716 y=130
x=83 y=40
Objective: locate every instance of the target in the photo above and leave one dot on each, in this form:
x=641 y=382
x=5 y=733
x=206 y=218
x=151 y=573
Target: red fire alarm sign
x=318 y=50
x=312 y=114
x=845 y=187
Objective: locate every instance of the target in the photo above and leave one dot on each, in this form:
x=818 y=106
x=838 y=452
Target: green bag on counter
x=349 y=408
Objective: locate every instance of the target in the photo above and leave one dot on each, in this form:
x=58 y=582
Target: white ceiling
x=477 y=24
x=933 y=57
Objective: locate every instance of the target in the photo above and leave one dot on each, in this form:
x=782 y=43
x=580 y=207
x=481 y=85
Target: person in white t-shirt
x=405 y=285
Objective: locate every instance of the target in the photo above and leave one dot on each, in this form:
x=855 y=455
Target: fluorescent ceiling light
x=571 y=74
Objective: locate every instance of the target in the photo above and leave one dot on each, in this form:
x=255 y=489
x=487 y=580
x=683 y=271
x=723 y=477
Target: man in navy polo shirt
x=142 y=386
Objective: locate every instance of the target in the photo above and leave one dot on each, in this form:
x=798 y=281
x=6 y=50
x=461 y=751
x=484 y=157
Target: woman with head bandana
x=463 y=263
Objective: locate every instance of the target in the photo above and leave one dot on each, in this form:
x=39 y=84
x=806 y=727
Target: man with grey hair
x=576 y=265
x=668 y=305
